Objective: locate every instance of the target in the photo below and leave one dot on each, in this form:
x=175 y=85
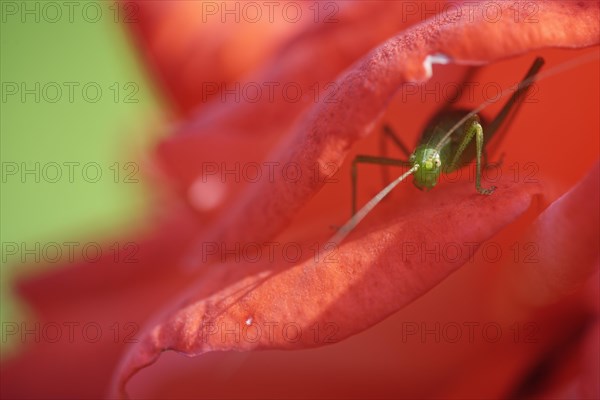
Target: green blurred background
x=112 y=127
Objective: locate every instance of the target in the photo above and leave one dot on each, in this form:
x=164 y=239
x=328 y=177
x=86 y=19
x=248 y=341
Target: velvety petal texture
x=343 y=303
x=323 y=137
x=367 y=280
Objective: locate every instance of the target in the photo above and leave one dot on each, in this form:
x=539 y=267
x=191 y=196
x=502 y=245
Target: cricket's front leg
x=473 y=128
x=479 y=142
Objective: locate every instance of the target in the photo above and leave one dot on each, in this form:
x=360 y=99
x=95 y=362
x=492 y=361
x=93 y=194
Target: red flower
x=515 y=323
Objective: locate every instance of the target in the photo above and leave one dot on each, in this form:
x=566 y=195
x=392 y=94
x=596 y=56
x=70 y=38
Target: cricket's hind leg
x=506 y=115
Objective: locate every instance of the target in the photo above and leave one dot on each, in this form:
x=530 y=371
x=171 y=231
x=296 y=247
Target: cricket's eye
x=437 y=162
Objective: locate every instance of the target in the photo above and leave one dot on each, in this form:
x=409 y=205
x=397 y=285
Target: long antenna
x=362 y=213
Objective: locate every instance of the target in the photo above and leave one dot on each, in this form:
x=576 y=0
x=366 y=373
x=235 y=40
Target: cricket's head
x=430 y=167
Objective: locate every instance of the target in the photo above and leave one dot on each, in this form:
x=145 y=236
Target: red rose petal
x=369 y=279
x=567 y=235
